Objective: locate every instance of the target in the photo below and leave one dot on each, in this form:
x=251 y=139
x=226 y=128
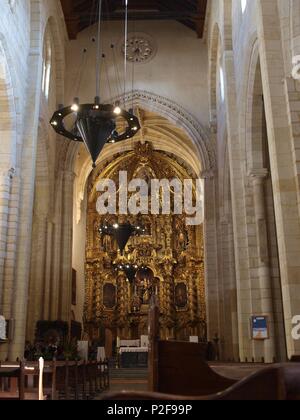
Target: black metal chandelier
x=95 y=123
x=122 y=232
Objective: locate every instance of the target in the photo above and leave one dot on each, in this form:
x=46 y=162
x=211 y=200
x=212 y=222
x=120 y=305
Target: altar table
x=134 y=357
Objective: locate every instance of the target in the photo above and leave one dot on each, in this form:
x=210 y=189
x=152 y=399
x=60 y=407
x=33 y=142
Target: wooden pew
x=80 y=380
x=179 y=368
x=62 y=380
x=275 y=383
x=12 y=382
x=103 y=374
x=27 y=383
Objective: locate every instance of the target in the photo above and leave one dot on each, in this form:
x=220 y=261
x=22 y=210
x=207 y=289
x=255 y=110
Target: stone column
x=5 y=287
x=229 y=322
x=283 y=165
x=57 y=244
x=48 y=272
x=239 y=214
x=66 y=249
x=5 y=187
x=233 y=294
x=27 y=187
x=211 y=256
x=37 y=275
x=262 y=302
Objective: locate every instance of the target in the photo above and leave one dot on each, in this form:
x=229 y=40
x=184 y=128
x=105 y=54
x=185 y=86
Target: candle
x=118 y=342
x=41 y=368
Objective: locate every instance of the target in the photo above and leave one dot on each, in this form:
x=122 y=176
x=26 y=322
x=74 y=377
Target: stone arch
x=179 y=117
x=199 y=154
x=254 y=111
x=51 y=28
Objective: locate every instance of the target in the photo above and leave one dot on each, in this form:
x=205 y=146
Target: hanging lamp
x=95 y=123
x=122 y=232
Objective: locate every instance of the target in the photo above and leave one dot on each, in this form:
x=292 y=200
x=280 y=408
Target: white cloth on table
x=101 y=355
x=2 y=328
x=129 y=343
x=134 y=350
x=83 y=350
x=145 y=341
x=194 y=339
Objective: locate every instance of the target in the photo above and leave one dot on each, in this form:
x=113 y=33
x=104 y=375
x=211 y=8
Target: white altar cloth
x=130 y=343
x=134 y=350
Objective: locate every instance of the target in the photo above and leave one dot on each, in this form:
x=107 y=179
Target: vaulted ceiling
x=80 y=14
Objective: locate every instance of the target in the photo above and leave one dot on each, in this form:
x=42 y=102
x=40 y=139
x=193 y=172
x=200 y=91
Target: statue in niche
x=145 y=285
x=109 y=296
x=182 y=238
x=181 y=297
x=106 y=243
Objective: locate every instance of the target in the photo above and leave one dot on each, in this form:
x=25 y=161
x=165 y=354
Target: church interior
x=150 y=199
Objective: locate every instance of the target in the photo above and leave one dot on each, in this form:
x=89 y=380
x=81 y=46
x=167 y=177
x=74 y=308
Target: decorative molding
x=258 y=173
x=207 y=174
x=141 y=48
x=180 y=117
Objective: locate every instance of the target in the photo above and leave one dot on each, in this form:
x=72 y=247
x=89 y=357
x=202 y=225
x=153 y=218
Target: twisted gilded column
x=122 y=300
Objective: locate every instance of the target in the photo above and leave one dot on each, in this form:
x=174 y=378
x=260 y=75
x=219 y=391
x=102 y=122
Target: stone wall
x=264 y=195
x=23 y=25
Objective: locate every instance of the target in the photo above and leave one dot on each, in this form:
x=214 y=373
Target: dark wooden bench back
x=179 y=367
x=275 y=383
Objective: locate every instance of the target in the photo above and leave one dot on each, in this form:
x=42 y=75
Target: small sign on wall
x=260 y=328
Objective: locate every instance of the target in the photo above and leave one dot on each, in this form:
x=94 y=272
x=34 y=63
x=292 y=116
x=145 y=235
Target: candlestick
x=41 y=369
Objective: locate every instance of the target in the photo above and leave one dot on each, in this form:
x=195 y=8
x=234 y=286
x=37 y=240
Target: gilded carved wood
x=172 y=252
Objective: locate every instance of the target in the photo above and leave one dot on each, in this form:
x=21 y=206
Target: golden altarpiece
x=170 y=252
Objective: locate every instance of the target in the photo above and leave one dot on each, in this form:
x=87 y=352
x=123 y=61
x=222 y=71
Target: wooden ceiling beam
x=71 y=17
x=202 y=6
x=79 y=14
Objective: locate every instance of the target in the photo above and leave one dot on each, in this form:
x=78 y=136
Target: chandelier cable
x=125 y=50
x=114 y=58
x=99 y=55
x=81 y=71
x=133 y=74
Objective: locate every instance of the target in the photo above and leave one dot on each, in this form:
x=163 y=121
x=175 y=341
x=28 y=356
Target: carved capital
x=207 y=174
x=7 y=173
x=259 y=174
x=69 y=176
